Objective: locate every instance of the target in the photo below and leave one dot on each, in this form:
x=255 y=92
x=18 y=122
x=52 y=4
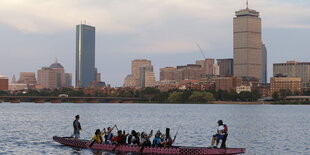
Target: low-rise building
x=4 y=83
x=227 y=83
x=243 y=88
x=288 y=83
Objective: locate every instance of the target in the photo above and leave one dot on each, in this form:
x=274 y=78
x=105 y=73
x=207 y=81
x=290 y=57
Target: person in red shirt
x=119 y=139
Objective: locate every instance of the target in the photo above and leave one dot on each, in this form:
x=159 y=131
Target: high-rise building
x=226 y=67
x=4 y=83
x=85 y=55
x=247 y=36
x=264 y=63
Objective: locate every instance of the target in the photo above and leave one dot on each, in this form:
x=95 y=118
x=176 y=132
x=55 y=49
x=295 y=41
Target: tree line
x=149 y=94
x=155 y=95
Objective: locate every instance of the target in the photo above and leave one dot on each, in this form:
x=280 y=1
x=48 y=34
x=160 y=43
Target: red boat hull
x=151 y=150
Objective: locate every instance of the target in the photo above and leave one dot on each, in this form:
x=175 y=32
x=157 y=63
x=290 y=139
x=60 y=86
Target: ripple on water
x=261 y=129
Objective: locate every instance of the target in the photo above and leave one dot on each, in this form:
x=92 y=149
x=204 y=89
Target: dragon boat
x=175 y=150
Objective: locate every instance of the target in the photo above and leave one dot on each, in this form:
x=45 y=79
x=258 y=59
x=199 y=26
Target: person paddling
x=157 y=140
x=219 y=133
x=169 y=140
x=109 y=135
x=98 y=136
x=77 y=127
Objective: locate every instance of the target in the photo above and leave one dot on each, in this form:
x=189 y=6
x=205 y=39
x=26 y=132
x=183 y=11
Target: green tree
x=296 y=93
x=275 y=96
x=233 y=96
x=186 y=94
x=283 y=94
x=201 y=97
x=175 y=97
x=4 y=93
x=150 y=93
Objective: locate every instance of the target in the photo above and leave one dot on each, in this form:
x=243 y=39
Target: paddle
x=141 y=150
x=115 y=147
x=69 y=137
x=92 y=143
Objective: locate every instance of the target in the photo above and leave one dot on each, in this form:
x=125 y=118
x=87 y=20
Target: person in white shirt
x=219 y=133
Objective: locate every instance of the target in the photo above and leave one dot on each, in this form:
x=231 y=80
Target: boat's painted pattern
x=151 y=150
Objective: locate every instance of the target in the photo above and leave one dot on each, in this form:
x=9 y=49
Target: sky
x=36 y=32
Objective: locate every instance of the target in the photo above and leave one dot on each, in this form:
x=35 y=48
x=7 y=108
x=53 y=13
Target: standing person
x=77 y=127
x=219 y=133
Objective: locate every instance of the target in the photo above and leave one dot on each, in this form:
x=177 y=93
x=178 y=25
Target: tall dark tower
x=85 y=55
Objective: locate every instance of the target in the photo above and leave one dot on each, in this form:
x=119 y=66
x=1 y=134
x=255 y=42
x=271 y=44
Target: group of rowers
x=143 y=139
x=134 y=138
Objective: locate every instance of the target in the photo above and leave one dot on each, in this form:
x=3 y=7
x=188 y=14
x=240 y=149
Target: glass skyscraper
x=85 y=55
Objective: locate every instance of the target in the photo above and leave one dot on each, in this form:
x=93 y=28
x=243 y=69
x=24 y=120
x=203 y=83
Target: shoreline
x=214 y=102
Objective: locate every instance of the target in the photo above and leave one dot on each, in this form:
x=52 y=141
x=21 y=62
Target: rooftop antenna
x=247 y=4
x=56 y=59
x=201 y=51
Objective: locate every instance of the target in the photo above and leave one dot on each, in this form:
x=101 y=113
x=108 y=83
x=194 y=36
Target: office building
x=52 y=77
x=27 y=78
x=85 y=55
x=294 y=69
x=147 y=76
x=168 y=74
x=139 y=70
x=247 y=37
x=226 y=67
x=206 y=66
x=189 y=72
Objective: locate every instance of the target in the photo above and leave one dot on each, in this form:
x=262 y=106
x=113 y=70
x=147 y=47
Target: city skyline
x=167 y=34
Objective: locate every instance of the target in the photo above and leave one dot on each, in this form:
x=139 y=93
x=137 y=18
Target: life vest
x=225 y=129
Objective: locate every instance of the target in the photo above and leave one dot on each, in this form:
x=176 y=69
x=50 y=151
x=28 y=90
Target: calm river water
x=27 y=128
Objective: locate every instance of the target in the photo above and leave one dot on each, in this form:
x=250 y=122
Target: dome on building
x=56 y=65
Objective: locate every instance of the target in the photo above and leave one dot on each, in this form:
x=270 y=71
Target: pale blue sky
x=34 y=32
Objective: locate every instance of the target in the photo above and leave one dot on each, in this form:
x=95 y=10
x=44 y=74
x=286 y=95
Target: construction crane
x=201 y=51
